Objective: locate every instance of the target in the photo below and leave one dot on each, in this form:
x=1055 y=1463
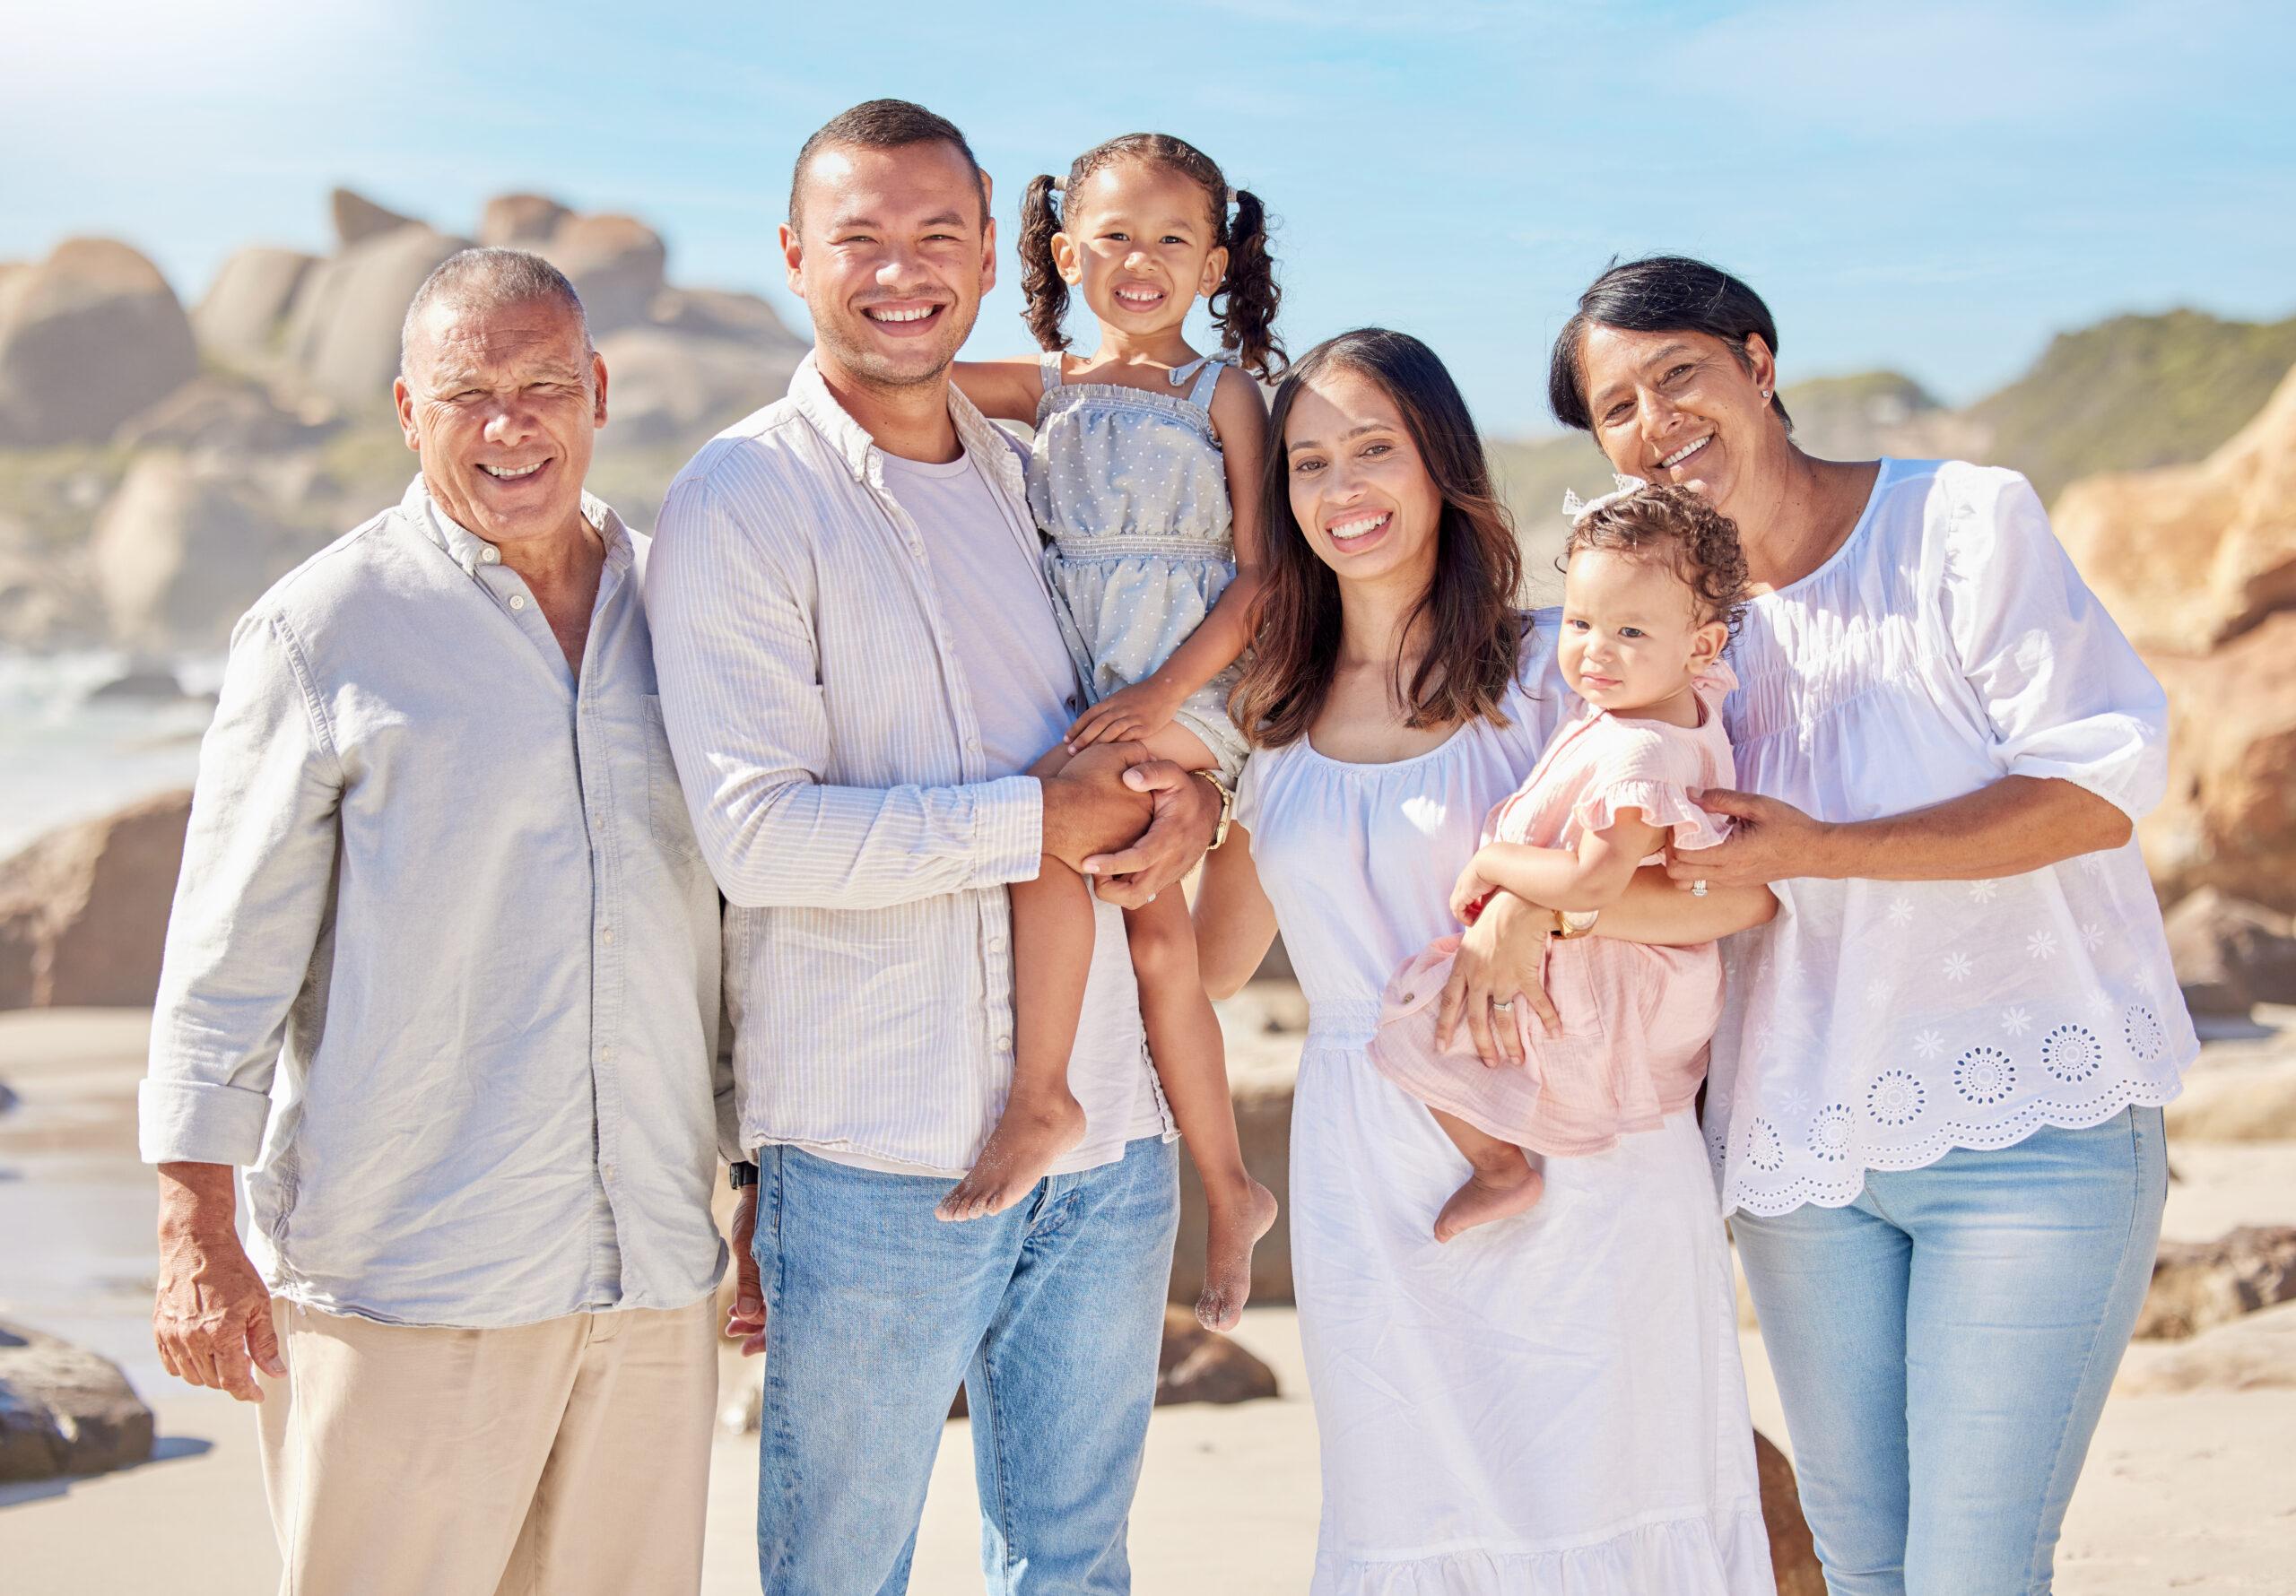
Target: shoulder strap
x=1207 y=380
x=1051 y=362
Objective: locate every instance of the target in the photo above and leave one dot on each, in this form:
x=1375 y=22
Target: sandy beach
x=2190 y=1492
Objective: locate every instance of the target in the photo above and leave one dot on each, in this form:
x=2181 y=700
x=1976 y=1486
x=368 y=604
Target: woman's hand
x=1502 y=960
x=1129 y=715
x=1468 y=893
x=1769 y=841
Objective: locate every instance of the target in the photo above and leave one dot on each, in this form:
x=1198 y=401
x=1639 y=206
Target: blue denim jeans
x=1944 y=1345
x=1049 y=1313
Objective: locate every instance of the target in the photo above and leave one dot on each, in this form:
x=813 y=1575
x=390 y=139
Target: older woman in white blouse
x=1934 y=1099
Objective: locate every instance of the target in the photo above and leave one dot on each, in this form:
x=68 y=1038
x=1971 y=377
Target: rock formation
x=358 y=219
x=178 y=547
x=240 y=319
x=65 y=1411
x=341 y=337
x=2230 y=954
x=2187 y=556
x=2198 y=1285
x=2229 y=817
x=88 y=337
x=520 y=221
x=616 y=265
x=83 y=911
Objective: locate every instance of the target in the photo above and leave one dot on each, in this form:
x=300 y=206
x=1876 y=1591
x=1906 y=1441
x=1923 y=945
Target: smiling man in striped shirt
x=858 y=659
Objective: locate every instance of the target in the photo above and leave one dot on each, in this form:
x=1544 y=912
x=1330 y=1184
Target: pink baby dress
x=1636 y=1020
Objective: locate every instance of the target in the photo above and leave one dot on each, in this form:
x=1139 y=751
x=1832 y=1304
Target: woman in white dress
x=1935 y=1094
x=1552 y=1405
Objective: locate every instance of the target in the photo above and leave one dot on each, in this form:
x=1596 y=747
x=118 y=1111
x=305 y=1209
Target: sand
x=2192 y=1492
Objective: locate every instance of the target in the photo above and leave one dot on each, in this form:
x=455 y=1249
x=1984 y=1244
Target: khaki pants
x=567 y=1457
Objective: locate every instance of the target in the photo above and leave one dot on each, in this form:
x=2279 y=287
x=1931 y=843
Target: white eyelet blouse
x=1874 y=1024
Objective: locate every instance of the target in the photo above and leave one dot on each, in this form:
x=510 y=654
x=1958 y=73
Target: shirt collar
x=467 y=550
x=989 y=444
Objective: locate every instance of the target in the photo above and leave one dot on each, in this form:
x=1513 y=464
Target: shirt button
x=605 y=1054
x=517 y=601
x=490 y=555
x=606 y=935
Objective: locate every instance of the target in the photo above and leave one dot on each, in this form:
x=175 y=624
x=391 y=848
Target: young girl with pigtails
x=1144 y=477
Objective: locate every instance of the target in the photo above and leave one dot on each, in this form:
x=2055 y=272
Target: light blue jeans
x=1944 y=1345
x=1049 y=1313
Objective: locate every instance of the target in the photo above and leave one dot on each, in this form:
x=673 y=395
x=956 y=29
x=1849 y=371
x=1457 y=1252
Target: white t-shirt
x=1878 y=1025
x=1008 y=651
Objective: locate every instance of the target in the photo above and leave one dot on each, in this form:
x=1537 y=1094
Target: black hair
x=885 y=124
x=1243 y=306
x=1659 y=293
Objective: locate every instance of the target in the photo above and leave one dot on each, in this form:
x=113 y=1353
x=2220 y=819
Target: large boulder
x=88 y=337
x=2186 y=556
x=218 y=417
x=241 y=318
x=615 y=263
x=1196 y=1366
x=520 y=221
x=181 y=552
x=2229 y=817
x=341 y=337
x=2256 y=1352
x=64 y=1410
x=2230 y=954
x=723 y=314
x=84 y=910
x=358 y=219
x=2246 y=1102
x=664 y=385
x=2199 y=1284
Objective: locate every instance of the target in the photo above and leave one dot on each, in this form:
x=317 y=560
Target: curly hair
x=1661 y=521
x=1243 y=306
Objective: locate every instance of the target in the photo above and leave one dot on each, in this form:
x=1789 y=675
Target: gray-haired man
x=443 y=975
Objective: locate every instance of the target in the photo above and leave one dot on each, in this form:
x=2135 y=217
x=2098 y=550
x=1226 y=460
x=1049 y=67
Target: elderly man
x=859 y=659
x=442 y=976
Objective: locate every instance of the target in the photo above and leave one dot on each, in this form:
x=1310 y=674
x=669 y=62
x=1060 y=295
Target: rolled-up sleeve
x=258 y=871
x=741 y=699
x=2067 y=698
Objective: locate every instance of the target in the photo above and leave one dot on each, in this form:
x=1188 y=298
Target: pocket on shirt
x=668 y=819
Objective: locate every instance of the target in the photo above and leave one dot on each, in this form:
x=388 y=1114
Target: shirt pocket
x=667 y=820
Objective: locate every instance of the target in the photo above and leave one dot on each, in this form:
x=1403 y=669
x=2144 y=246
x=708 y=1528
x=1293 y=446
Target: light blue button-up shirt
x=443 y=964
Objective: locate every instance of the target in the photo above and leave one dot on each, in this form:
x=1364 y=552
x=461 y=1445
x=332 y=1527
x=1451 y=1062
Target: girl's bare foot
x=1492 y=1192
x=1035 y=1131
x=1238 y=1216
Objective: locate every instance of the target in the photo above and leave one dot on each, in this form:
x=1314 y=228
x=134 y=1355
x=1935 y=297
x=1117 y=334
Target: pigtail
x=1045 y=290
x=1243 y=307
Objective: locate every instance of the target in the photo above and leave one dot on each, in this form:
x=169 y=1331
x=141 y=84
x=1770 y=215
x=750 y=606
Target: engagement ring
x=1698 y=888
x=1498 y=1003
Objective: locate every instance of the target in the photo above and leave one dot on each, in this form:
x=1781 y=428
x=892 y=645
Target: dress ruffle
x=1693 y=1555
x=1663 y=804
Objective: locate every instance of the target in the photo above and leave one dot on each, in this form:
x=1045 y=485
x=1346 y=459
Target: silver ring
x=1502 y=1005
x=1698 y=888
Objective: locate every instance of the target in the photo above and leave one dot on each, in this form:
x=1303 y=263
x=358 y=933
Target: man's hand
x=1502 y=958
x=746 y=1319
x=1184 y=812
x=1769 y=841
x=1128 y=714
x=1089 y=809
x=210 y=1313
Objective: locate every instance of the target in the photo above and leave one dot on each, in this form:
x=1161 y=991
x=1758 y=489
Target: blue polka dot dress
x=1132 y=489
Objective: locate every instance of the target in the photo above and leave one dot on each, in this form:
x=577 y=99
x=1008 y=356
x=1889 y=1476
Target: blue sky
x=1936 y=187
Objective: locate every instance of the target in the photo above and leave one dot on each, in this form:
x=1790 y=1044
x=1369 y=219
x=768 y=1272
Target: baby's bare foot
x=1238 y=1216
x=1035 y=1131
x=1509 y=1188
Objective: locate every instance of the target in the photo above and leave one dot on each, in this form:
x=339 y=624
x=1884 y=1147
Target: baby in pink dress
x=1654 y=583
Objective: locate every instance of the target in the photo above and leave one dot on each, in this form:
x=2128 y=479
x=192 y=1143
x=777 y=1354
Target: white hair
x=491 y=278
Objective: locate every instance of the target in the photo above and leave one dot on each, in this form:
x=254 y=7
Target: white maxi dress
x=1552 y=1405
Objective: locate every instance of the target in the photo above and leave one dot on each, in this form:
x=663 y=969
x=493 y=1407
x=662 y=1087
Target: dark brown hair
x=1660 y=521
x=1243 y=306
x=1468 y=615
x=885 y=124
x=1660 y=293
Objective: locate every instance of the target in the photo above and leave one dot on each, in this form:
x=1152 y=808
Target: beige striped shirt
x=831 y=757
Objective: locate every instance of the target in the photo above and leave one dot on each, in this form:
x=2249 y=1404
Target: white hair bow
x=1578 y=509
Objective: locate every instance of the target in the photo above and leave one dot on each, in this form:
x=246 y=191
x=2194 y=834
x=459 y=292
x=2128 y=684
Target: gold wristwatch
x=1575 y=922
x=1227 y=807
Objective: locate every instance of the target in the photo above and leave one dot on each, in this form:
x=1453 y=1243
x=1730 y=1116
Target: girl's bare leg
x=1052 y=955
x=1506 y=1180
x=1191 y=1060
